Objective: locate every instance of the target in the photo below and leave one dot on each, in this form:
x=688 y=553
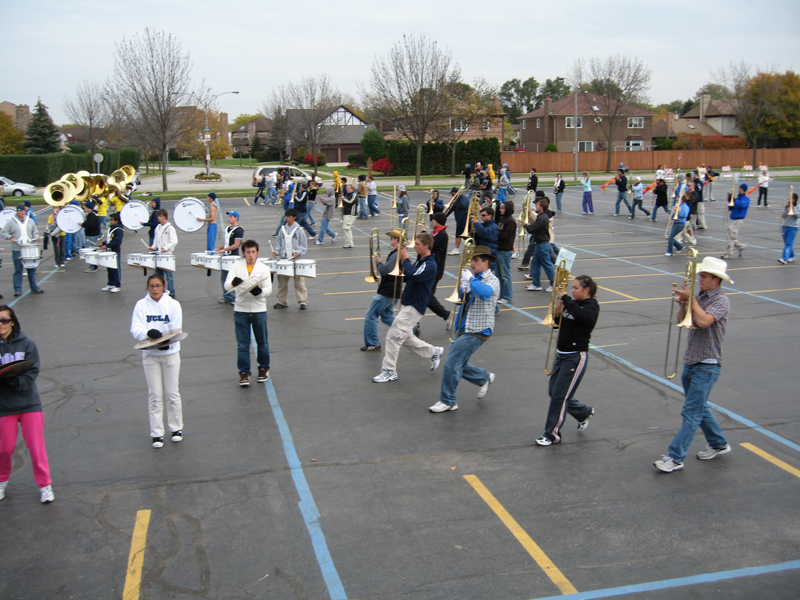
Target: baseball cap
x=233 y=213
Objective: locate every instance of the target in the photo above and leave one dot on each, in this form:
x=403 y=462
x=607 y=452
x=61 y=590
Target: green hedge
x=436 y=156
x=42 y=169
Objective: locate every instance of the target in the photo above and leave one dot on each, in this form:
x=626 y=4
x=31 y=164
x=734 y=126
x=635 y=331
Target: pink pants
x=33 y=434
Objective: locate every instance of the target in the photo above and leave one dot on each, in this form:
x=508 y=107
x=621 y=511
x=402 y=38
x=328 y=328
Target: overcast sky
x=249 y=46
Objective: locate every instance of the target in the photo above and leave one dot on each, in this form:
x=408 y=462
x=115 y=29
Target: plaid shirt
x=706 y=343
x=480 y=313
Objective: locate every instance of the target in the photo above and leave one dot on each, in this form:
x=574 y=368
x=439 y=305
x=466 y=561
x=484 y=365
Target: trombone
x=685 y=323
x=560 y=283
x=450 y=205
x=676 y=210
x=466 y=261
x=731 y=198
x=473 y=212
x=430 y=202
x=396 y=272
x=374 y=247
x=524 y=217
x=422 y=212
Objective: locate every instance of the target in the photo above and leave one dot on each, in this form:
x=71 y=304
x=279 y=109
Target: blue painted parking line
x=679 y=582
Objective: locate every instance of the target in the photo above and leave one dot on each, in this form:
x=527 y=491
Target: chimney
x=670 y=119
x=705 y=100
x=548 y=120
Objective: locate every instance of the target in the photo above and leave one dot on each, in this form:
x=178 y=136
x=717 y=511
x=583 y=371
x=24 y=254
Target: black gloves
x=255 y=291
x=154 y=334
x=236 y=281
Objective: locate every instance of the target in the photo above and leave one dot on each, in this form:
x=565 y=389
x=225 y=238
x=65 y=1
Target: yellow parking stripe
x=533 y=549
x=775 y=461
x=133 y=578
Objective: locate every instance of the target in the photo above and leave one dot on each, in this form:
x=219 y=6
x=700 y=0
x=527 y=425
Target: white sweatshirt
x=260 y=277
x=164 y=315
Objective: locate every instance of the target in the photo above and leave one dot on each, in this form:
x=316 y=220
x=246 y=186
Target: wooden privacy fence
x=563 y=162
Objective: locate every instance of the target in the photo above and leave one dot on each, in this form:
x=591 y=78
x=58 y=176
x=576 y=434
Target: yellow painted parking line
x=133 y=579
x=245 y=201
x=775 y=461
x=616 y=292
x=533 y=549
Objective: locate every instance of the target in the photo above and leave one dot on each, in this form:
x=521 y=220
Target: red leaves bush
x=383 y=166
x=322 y=160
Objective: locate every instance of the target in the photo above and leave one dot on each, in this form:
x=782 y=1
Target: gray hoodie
x=19 y=394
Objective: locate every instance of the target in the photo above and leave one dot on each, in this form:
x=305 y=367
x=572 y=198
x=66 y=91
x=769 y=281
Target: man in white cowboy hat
x=702 y=364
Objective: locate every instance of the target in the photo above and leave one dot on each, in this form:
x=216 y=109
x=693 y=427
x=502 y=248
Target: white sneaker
x=319 y=243
x=668 y=464
x=437 y=357
x=534 y=288
x=3 y=485
x=501 y=301
x=549 y=289
x=107 y=288
x=46 y=494
x=454 y=251
x=114 y=290
x=485 y=387
x=710 y=452
x=385 y=376
x=442 y=407
x=515 y=255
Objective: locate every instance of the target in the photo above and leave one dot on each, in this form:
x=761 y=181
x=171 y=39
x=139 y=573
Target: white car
x=12 y=188
x=267 y=169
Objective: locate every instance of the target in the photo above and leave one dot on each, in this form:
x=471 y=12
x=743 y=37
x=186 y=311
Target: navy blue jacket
x=420 y=278
x=486 y=234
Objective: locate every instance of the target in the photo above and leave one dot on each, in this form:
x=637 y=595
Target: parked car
x=13 y=188
x=267 y=169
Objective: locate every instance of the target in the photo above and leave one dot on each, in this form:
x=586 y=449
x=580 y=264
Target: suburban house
x=555 y=123
x=720 y=115
x=672 y=126
x=243 y=137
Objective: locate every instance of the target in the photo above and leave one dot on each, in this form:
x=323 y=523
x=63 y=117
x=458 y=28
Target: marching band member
x=349 y=210
x=165 y=241
x=251 y=282
x=578 y=318
x=737 y=217
x=678 y=225
x=439 y=253
x=702 y=360
x=460 y=208
x=622 y=191
x=420 y=277
x=21 y=230
x=153 y=316
x=789 y=231
x=480 y=289
x=211 y=230
x=20 y=406
x=113 y=243
x=382 y=303
x=292 y=244
x=232 y=240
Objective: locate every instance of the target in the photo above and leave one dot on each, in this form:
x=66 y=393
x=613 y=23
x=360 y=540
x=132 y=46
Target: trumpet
x=466 y=261
x=686 y=323
x=473 y=212
x=560 y=283
x=374 y=246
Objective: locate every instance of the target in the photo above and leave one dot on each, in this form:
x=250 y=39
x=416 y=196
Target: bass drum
x=6 y=215
x=133 y=214
x=186 y=213
x=70 y=218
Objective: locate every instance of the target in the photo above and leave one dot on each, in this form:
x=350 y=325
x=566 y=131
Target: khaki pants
x=733 y=236
x=347 y=229
x=401 y=334
x=701 y=215
x=300 y=289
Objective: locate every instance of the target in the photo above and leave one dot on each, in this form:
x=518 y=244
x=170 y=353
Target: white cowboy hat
x=715 y=267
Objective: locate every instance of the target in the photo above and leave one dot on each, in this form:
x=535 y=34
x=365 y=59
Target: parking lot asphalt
x=322 y=484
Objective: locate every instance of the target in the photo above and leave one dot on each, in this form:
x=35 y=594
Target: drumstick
x=271 y=249
x=145 y=243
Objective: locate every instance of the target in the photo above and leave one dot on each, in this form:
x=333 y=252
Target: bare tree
x=754 y=96
x=409 y=88
x=312 y=102
x=154 y=74
x=610 y=87
x=275 y=110
x=472 y=107
x=89 y=112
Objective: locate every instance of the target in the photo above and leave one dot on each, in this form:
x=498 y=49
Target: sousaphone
x=82 y=189
x=59 y=193
x=129 y=172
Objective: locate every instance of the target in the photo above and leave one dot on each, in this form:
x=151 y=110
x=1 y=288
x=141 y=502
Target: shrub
x=718 y=142
x=261 y=156
x=211 y=176
x=383 y=166
x=373 y=145
x=551 y=148
x=322 y=160
x=355 y=158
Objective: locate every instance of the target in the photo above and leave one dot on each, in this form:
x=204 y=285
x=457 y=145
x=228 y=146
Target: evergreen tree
x=42 y=134
x=256 y=146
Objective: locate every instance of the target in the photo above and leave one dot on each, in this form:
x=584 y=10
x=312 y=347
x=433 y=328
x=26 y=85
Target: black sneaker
x=177 y=436
x=279 y=305
x=585 y=423
x=370 y=348
x=158 y=442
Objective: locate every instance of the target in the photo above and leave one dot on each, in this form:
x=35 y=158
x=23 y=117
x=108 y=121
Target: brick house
x=555 y=123
x=20 y=114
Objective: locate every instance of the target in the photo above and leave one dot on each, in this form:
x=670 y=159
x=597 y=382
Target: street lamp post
x=207 y=132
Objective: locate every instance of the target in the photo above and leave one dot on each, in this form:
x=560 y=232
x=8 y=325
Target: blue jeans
x=169 y=279
x=362 y=208
x=227 y=296
x=501 y=195
x=677 y=227
x=272 y=195
x=504 y=266
x=379 y=309
x=372 y=204
x=655 y=211
x=697 y=379
x=457 y=367
x=310 y=215
x=103 y=222
x=323 y=229
x=211 y=237
x=302 y=220
x=79 y=241
x=541 y=260
x=69 y=237
x=587 y=202
x=789 y=233
x=558 y=200
x=256 y=321
x=18 y=273
x=281 y=221
x=621 y=197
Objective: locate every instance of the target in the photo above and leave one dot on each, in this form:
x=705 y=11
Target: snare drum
x=30 y=254
x=226 y=262
x=269 y=263
x=91 y=257
x=204 y=260
x=70 y=218
x=84 y=251
x=186 y=213
x=165 y=262
x=285 y=267
x=107 y=259
x=133 y=214
x=305 y=267
x=134 y=260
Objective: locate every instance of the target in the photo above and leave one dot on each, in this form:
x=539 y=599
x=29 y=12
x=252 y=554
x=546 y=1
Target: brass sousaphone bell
x=59 y=193
x=82 y=188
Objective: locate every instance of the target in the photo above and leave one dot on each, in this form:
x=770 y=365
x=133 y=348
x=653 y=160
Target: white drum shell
x=226 y=262
x=305 y=267
x=107 y=259
x=203 y=260
x=186 y=213
x=91 y=257
x=6 y=215
x=134 y=260
x=285 y=267
x=133 y=214
x=165 y=262
x=269 y=262
x=70 y=218
x=30 y=252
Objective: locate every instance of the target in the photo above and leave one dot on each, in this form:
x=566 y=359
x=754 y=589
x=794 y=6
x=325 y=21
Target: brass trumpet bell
x=59 y=193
